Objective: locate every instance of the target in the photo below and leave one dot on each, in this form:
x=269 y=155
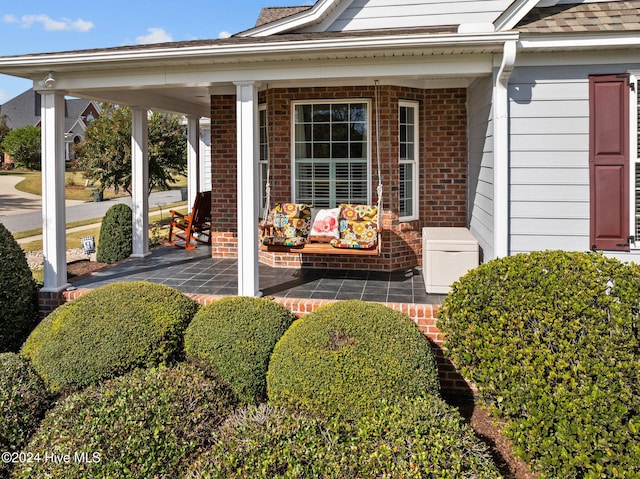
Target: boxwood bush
x=18 y=294
x=346 y=356
x=116 y=235
x=415 y=439
x=236 y=336
x=264 y=442
x=108 y=332
x=23 y=400
x=148 y=423
x=551 y=341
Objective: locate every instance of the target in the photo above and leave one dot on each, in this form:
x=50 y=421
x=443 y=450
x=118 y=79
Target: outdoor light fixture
x=49 y=81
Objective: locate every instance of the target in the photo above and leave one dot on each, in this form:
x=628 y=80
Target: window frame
x=415 y=105
x=337 y=101
x=634 y=159
x=263 y=147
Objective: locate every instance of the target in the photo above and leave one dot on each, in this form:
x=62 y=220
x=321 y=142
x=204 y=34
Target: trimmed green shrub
x=263 y=442
x=149 y=423
x=236 y=335
x=24 y=400
x=18 y=294
x=346 y=356
x=109 y=331
x=116 y=235
x=551 y=341
x=414 y=439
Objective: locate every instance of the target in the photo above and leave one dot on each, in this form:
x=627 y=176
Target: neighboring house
x=26 y=108
x=514 y=118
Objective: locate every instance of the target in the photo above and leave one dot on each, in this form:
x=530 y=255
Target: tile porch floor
x=196 y=272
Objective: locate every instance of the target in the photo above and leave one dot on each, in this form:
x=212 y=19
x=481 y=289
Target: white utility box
x=447 y=254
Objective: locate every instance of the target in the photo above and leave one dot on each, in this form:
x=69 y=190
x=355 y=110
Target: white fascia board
x=314 y=15
x=30 y=65
x=581 y=41
x=512 y=15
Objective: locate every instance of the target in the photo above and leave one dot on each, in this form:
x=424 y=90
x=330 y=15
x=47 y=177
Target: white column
x=247 y=134
x=140 y=182
x=193 y=158
x=53 y=212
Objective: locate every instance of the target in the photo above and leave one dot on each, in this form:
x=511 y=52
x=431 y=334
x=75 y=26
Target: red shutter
x=609 y=161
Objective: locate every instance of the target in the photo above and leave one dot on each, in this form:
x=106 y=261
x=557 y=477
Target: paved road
x=23 y=211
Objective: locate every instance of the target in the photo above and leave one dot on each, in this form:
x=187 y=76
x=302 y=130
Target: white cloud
x=224 y=34
x=49 y=24
x=156 y=35
x=3 y=96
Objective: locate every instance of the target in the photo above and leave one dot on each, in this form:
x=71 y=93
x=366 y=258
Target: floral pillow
x=358 y=227
x=324 y=226
x=291 y=225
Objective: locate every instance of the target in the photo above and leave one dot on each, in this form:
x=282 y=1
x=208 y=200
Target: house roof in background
x=24 y=110
x=271 y=14
x=583 y=17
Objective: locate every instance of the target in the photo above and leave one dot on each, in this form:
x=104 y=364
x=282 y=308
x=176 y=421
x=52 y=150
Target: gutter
x=501 y=150
x=222 y=50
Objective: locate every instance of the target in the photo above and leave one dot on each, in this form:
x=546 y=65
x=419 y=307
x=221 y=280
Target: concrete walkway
x=13 y=201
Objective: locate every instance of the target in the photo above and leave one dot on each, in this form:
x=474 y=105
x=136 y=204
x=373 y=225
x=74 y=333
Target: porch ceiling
x=180 y=77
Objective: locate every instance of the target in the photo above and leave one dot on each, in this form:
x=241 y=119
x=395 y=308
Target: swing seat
x=357 y=231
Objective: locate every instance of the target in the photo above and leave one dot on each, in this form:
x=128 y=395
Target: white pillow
x=325 y=222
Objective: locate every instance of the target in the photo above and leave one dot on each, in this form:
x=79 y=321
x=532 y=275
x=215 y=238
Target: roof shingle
x=271 y=14
x=583 y=17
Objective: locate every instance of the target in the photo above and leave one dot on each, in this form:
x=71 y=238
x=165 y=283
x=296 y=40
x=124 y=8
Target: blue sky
x=34 y=26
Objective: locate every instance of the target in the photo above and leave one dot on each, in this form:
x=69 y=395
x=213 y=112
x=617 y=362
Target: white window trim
x=262 y=107
x=293 y=138
x=634 y=160
x=416 y=162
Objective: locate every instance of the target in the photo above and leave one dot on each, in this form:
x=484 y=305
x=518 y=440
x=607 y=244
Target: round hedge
x=551 y=340
x=109 y=331
x=264 y=442
x=18 y=294
x=423 y=437
x=148 y=423
x=346 y=356
x=116 y=234
x=236 y=336
x=24 y=400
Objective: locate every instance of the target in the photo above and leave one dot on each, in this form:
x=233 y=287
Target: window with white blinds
x=263 y=161
x=408 y=161
x=331 y=153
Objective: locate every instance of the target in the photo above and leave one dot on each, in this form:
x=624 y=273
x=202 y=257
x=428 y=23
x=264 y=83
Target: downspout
x=501 y=151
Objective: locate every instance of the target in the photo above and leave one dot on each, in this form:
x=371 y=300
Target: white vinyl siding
x=376 y=14
x=408 y=171
x=331 y=152
x=549 y=180
x=480 y=174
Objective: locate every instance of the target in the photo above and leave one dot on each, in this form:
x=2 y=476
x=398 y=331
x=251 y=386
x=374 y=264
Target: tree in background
x=23 y=146
x=4 y=129
x=105 y=154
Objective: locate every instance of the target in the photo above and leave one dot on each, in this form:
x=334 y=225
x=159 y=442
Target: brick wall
x=424 y=315
x=442 y=169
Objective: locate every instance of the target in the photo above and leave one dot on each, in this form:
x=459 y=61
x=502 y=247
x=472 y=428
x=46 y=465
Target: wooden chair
x=195 y=226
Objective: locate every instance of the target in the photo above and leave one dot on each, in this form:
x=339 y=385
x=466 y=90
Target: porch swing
x=350 y=229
